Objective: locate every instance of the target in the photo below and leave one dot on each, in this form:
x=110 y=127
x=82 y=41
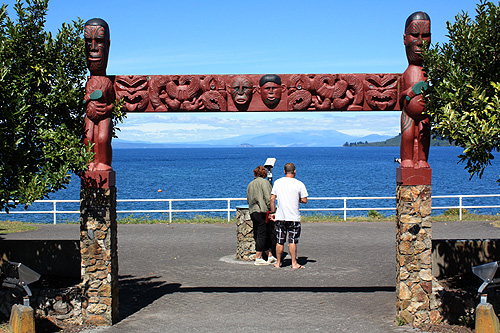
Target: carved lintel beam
x=258 y=92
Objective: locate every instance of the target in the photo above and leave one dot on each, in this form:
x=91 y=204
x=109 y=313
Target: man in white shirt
x=290 y=192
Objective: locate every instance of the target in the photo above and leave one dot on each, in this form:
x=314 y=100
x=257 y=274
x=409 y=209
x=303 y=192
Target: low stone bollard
x=245 y=249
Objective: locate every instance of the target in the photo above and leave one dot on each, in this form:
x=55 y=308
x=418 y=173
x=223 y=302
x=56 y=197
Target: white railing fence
x=230 y=202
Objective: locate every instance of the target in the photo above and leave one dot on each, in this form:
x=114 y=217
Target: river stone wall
x=416 y=289
x=99 y=255
x=245 y=249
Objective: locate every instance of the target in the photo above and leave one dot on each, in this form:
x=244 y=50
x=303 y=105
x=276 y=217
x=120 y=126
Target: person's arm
x=303 y=194
x=267 y=195
x=273 y=203
x=273 y=207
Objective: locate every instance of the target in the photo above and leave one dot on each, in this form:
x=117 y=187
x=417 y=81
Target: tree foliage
x=41 y=104
x=464 y=76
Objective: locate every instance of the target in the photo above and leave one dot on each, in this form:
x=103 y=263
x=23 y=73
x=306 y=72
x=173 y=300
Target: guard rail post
x=460 y=210
x=54 y=205
x=170 y=210
x=345 y=209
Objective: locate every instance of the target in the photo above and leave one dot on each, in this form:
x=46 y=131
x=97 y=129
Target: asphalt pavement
x=183 y=278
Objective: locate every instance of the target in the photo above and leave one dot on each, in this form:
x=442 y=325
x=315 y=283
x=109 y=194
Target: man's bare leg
x=293 y=254
x=279 y=254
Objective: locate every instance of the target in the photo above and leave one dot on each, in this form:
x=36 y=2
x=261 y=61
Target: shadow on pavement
x=286 y=289
x=300 y=260
x=137 y=293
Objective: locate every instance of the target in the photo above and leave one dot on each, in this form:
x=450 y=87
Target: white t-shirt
x=288 y=192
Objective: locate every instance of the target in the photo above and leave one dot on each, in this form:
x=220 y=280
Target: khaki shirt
x=259 y=195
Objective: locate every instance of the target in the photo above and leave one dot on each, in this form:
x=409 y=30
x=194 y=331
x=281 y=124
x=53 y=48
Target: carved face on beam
x=241 y=90
x=97 y=45
x=417 y=30
x=270 y=90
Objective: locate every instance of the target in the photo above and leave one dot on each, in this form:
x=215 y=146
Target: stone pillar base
x=245 y=249
x=417 y=300
x=99 y=256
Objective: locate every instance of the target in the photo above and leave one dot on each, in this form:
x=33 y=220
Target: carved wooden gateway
x=259 y=93
x=271 y=92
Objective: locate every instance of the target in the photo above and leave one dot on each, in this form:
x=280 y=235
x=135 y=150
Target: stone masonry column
x=416 y=289
x=98 y=246
x=245 y=249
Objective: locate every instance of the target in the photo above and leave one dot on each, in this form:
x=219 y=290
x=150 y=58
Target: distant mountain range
x=395 y=142
x=292 y=139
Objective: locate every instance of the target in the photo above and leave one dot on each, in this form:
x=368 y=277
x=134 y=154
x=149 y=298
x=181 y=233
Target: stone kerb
x=245 y=249
x=416 y=289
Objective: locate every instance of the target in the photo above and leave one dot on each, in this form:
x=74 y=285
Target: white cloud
x=211 y=126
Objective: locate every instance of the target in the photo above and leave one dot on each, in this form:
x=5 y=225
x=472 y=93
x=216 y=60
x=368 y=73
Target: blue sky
x=255 y=37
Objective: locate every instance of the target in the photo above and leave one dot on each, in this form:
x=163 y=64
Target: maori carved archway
x=240 y=93
x=259 y=93
x=299 y=92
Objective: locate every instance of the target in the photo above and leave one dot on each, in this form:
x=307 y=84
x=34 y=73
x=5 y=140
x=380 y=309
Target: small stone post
x=415 y=286
x=98 y=246
x=245 y=249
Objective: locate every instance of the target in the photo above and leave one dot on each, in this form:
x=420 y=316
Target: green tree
x=464 y=76
x=41 y=104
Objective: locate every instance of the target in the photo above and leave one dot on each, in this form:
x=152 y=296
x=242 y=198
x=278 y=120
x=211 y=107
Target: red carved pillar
x=415 y=286
x=98 y=229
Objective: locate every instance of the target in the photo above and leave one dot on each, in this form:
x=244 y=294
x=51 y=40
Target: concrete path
x=180 y=278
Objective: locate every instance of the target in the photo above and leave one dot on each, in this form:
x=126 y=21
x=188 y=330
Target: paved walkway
x=179 y=278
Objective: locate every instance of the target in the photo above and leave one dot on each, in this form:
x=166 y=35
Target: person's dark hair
x=99 y=22
x=417 y=16
x=289 y=168
x=269 y=78
x=260 y=171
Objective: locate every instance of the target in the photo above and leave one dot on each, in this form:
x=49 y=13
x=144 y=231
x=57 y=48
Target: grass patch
x=199 y=219
x=450 y=215
x=8 y=227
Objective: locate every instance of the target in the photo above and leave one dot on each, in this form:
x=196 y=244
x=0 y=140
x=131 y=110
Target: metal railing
x=461 y=207
x=229 y=201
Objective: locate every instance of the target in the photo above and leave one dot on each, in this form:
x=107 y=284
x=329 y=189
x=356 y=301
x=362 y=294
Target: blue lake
x=327 y=172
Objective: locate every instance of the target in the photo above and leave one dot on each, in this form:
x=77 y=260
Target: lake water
x=326 y=172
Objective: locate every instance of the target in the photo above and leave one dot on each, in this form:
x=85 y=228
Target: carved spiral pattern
x=214 y=101
x=352 y=97
x=328 y=86
x=299 y=82
x=213 y=82
x=299 y=100
x=157 y=92
x=183 y=87
x=214 y=96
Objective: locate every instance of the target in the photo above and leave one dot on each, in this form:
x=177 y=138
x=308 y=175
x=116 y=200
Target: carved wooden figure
x=99 y=95
x=241 y=89
x=134 y=91
x=381 y=91
x=415 y=127
x=271 y=89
